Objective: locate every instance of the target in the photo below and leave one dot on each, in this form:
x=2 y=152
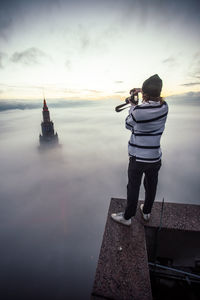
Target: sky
x=97 y=49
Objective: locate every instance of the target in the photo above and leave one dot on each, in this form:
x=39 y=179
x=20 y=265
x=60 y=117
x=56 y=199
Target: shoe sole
x=127 y=225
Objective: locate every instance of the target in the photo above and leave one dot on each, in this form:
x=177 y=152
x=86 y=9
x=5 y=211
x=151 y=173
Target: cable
x=156 y=235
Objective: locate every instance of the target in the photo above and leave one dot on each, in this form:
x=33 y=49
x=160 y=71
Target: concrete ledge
x=122 y=271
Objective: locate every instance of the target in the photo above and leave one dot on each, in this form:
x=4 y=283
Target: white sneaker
x=119 y=217
x=146 y=217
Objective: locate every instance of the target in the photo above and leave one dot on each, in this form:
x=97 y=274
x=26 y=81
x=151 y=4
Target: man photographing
x=146 y=122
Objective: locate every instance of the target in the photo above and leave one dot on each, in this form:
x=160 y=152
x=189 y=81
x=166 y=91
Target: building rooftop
x=123 y=270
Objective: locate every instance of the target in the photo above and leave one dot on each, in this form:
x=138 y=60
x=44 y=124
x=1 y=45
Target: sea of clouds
x=54 y=202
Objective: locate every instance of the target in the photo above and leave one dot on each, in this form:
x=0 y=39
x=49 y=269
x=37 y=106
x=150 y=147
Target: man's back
x=147 y=123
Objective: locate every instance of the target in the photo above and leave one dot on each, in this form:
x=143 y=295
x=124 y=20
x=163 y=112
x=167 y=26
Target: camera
x=133 y=99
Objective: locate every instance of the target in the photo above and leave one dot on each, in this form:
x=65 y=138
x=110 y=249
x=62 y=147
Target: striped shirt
x=147 y=123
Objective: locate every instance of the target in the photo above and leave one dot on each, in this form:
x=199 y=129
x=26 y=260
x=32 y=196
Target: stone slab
x=122 y=271
x=176 y=216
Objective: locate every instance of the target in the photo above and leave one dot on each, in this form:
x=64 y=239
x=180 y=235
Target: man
x=147 y=123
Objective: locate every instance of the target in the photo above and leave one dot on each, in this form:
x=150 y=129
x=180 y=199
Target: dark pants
x=135 y=172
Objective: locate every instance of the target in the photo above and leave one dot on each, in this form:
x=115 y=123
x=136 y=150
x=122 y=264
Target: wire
x=161 y=215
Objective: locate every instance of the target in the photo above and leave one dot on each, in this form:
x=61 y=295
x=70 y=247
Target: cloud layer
x=29 y=56
x=54 y=203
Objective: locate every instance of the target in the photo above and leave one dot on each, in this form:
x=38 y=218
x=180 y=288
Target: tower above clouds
x=47 y=126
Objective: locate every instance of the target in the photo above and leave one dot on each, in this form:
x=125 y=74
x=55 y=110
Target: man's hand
x=133 y=100
x=130 y=100
x=135 y=91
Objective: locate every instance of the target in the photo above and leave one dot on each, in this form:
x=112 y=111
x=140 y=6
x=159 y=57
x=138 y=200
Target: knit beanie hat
x=152 y=86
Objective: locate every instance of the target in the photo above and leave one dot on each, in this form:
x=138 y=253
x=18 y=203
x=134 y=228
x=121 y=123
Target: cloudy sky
x=96 y=49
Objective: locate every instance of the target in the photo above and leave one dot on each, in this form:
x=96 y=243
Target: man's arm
x=129 y=122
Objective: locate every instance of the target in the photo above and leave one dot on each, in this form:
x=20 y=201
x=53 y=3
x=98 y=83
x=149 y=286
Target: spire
x=45 y=106
x=46 y=115
x=48 y=134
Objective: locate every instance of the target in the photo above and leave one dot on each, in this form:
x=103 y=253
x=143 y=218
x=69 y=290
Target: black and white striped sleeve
x=130 y=122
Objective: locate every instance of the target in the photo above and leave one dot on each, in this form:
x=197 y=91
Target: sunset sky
x=97 y=49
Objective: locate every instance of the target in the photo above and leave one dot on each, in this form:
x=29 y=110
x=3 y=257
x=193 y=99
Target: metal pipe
x=175 y=270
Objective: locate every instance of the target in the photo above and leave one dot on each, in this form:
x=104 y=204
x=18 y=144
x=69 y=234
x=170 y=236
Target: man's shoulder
x=149 y=111
x=151 y=105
